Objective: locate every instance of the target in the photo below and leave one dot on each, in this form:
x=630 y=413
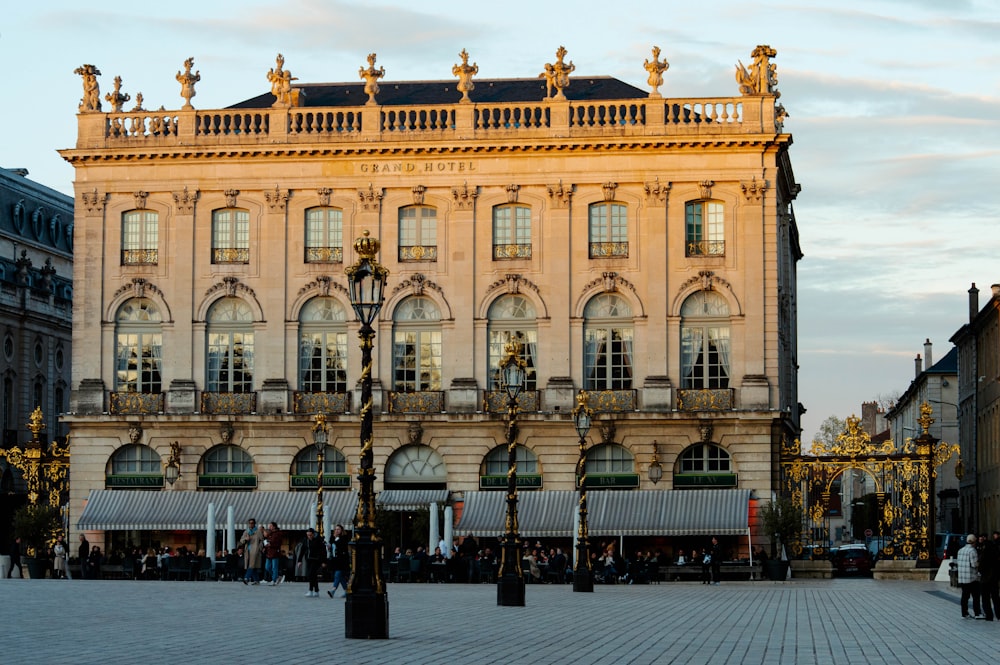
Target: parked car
x=853 y=560
x=947 y=545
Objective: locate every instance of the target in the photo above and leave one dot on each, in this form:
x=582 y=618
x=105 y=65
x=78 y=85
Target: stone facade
x=637 y=210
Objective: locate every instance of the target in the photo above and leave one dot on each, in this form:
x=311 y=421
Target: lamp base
x=583 y=580
x=366 y=616
x=510 y=591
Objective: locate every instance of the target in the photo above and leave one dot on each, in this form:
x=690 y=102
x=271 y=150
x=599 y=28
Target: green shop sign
x=597 y=481
x=237 y=481
x=340 y=481
x=705 y=480
x=133 y=481
x=524 y=482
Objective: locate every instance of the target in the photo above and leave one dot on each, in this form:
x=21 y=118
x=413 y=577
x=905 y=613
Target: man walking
x=272 y=550
x=968 y=577
x=989 y=572
x=253 y=545
x=314 y=553
x=16 y=550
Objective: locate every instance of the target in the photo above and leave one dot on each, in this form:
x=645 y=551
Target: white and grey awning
x=416 y=499
x=551 y=513
x=123 y=510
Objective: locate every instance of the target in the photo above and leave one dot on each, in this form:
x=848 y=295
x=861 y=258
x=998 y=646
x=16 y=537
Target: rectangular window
x=417 y=234
x=230 y=362
x=511 y=232
x=416 y=361
x=705 y=230
x=705 y=357
x=607 y=358
x=325 y=235
x=323 y=362
x=140 y=238
x=231 y=236
x=137 y=368
x=608 y=230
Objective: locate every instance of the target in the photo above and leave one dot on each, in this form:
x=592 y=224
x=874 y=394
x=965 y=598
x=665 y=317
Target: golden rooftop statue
x=281 y=85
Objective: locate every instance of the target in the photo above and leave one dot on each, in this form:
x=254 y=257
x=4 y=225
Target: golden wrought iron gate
x=903 y=479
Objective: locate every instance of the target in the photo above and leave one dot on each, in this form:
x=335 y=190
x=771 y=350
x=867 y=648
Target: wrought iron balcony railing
x=418 y=252
x=129 y=403
x=512 y=251
x=140 y=257
x=707 y=248
x=495 y=401
x=306 y=402
x=709 y=399
x=609 y=250
x=229 y=403
x=428 y=401
x=231 y=255
x=324 y=254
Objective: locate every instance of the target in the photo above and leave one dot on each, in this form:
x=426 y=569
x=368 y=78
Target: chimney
x=917 y=366
x=996 y=290
x=928 y=362
x=973 y=302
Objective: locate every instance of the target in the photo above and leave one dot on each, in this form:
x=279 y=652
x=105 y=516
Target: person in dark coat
x=83 y=554
x=340 y=560
x=16 y=551
x=314 y=553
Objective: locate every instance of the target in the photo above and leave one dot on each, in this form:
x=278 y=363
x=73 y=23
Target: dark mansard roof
x=401 y=93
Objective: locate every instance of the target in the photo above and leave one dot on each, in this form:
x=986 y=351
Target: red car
x=853 y=560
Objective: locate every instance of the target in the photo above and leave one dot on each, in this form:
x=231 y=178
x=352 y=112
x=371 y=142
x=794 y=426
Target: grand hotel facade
x=641 y=247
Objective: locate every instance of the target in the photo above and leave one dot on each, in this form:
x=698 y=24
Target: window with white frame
x=496 y=462
x=607 y=344
x=323 y=346
x=230 y=339
x=307 y=462
x=417 y=233
x=609 y=458
x=227 y=460
x=511 y=232
x=704 y=458
x=705 y=229
x=705 y=361
x=511 y=318
x=231 y=236
x=136 y=458
x=140 y=238
x=138 y=347
x=324 y=235
x=416 y=346
x=608 y=230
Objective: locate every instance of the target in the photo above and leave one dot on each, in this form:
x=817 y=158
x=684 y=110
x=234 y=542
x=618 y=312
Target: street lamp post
x=583 y=580
x=367 y=611
x=319 y=440
x=510 y=585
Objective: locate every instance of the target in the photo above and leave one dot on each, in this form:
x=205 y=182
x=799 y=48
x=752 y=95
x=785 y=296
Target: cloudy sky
x=894 y=106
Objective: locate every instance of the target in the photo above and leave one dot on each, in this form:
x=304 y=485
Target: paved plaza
x=844 y=622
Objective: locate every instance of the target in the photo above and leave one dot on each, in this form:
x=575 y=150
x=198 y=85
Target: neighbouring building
x=935 y=383
x=978 y=344
x=640 y=246
x=36 y=295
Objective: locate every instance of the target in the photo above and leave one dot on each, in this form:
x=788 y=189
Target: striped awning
x=612 y=512
x=122 y=510
x=410 y=499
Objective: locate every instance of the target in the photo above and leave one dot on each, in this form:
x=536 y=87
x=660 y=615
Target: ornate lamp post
x=367 y=612
x=319 y=440
x=172 y=467
x=583 y=580
x=510 y=585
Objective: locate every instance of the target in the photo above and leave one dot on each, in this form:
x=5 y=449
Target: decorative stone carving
x=418 y=194
x=371 y=77
x=21 y=267
x=754 y=190
x=655 y=67
x=417 y=284
x=226 y=433
x=323 y=285
x=609 y=190
x=187 y=81
x=705 y=187
x=116 y=98
x=709 y=281
x=281 y=85
x=324 y=195
x=140 y=199
x=185 y=200
x=278 y=199
x=779 y=117
x=415 y=433
x=761 y=77
x=231 y=195
x=134 y=432
x=557 y=75
x=607 y=428
x=560 y=194
x=657 y=192
x=512 y=193
x=465 y=196
x=465 y=72
x=232 y=286
x=91 y=101
x=705 y=432
x=93 y=202
x=371 y=198
x=138 y=102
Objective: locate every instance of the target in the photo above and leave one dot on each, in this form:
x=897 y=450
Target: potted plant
x=36 y=526
x=782 y=520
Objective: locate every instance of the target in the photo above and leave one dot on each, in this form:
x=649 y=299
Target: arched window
x=511 y=317
x=230 y=347
x=323 y=346
x=140 y=238
x=416 y=346
x=135 y=459
x=231 y=236
x=496 y=462
x=607 y=344
x=511 y=232
x=704 y=465
x=705 y=229
x=417 y=233
x=324 y=235
x=705 y=341
x=416 y=465
x=608 y=230
x=609 y=458
x=334 y=462
x=228 y=460
x=138 y=347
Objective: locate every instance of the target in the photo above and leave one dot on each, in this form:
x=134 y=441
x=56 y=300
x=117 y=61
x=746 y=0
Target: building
x=640 y=247
x=36 y=294
x=934 y=383
x=978 y=344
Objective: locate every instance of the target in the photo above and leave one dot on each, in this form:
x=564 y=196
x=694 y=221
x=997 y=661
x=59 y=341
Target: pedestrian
x=340 y=562
x=59 y=552
x=706 y=566
x=272 y=550
x=253 y=546
x=968 y=577
x=314 y=552
x=716 y=553
x=82 y=555
x=16 y=551
x=989 y=571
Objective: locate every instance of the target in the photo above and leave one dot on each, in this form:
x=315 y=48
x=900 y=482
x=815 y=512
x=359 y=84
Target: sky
x=894 y=107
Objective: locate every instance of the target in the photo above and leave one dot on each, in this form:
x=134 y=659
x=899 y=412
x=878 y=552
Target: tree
x=36 y=526
x=829 y=429
x=781 y=520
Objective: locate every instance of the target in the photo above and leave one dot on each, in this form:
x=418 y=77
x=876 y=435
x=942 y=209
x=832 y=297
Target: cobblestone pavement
x=796 y=622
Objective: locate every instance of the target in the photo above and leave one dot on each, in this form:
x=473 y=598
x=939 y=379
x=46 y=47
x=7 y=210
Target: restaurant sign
x=134 y=481
x=597 y=481
x=229 y=481
x=499 y=482
x=705 y=480
x=337 y=481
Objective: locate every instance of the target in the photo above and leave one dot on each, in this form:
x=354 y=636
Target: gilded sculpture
x=281 y=85
x=656 y=67
x=371 y=77
x=557 y=75
x=116 y=98
x=761 y=77
x=465 y=72
x=187 y=81
x=91 y=90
